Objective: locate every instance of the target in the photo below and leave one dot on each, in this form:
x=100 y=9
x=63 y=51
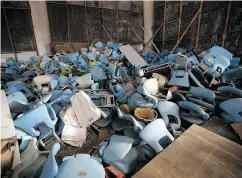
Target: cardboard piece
x=105 y=133
x=132 y=56
x=77 y=118
x=85 y=110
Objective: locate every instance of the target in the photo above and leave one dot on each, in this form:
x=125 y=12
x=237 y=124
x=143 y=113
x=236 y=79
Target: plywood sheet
x=197 y=153
x=133 y=57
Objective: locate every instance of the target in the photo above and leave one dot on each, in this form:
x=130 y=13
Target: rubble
x=137 y=101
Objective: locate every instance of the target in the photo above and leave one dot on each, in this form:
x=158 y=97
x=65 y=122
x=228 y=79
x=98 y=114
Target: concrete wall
x=148 y=20
x=41 y=26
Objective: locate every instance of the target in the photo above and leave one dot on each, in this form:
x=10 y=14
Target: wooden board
x=197 y=153
x=132 y=56
x=238 y=129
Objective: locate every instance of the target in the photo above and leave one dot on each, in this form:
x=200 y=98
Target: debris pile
x=139 y=102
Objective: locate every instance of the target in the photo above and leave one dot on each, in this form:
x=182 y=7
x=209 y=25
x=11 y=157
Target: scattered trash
x=132 y=103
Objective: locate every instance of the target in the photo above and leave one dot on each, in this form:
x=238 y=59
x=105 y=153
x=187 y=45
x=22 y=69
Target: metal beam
x=164 y=28
x=180 y=20
x=198 y=25
x=226 y=24
x=179 y=40
x=9 y=33
x=156 y=32
x=152 y=41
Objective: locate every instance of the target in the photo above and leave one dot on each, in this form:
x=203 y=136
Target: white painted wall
x=41 y=26
x=23 y=56
x=148 y=15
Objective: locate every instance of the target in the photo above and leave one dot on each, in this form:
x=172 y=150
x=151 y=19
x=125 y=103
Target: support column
x=148 y=19
x=41 y=26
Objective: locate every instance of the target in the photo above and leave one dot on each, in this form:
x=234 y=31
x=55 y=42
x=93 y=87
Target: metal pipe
x=152 y=41
x=198 y=26
x=107 y=33
x=9 y=33
x=195 y=16
x=124 y=21
x=88 y=39
x=226 y=24
x=164 y=28
x=153 y=35
x=180 y=20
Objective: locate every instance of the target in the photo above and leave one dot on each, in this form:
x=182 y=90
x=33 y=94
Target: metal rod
x=159 y=6
x=117 y=21
x=88 y=39
x=68 y=25
x=164 y=28
x=195 y=16
x=107 y=33
x=152 y=41
x=101 y=4
x=9 y=33
x=226 y=24
x=180 y=20
x=124 y=21
x=198 y=26
x=156 y=32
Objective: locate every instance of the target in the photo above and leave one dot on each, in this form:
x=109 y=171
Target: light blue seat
x=18 y=86
x=233 y=109
x=168 y=109
x=113 y=72
x=118 y=92
x=219 y=66
x=195 y=115
x=17 y=102
x=179 y=75
x=81 y=165
x=232 y=74
x=230 y=90
x=104 y=121
x=217 y=50
x=156 y=135
x=98 y=73
x=31 y=119
x=203 y=97
x=50 y=168
x=119 y=152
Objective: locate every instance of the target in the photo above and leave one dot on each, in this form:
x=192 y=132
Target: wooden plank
x=226 y=24
x=197 y=153
x=238 y=129
x=133 y=57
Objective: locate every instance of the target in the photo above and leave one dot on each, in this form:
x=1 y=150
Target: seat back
x=156 y=135
x=219 y=66
x=50 y=168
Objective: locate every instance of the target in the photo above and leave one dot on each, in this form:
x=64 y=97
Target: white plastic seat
x=156 y=135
